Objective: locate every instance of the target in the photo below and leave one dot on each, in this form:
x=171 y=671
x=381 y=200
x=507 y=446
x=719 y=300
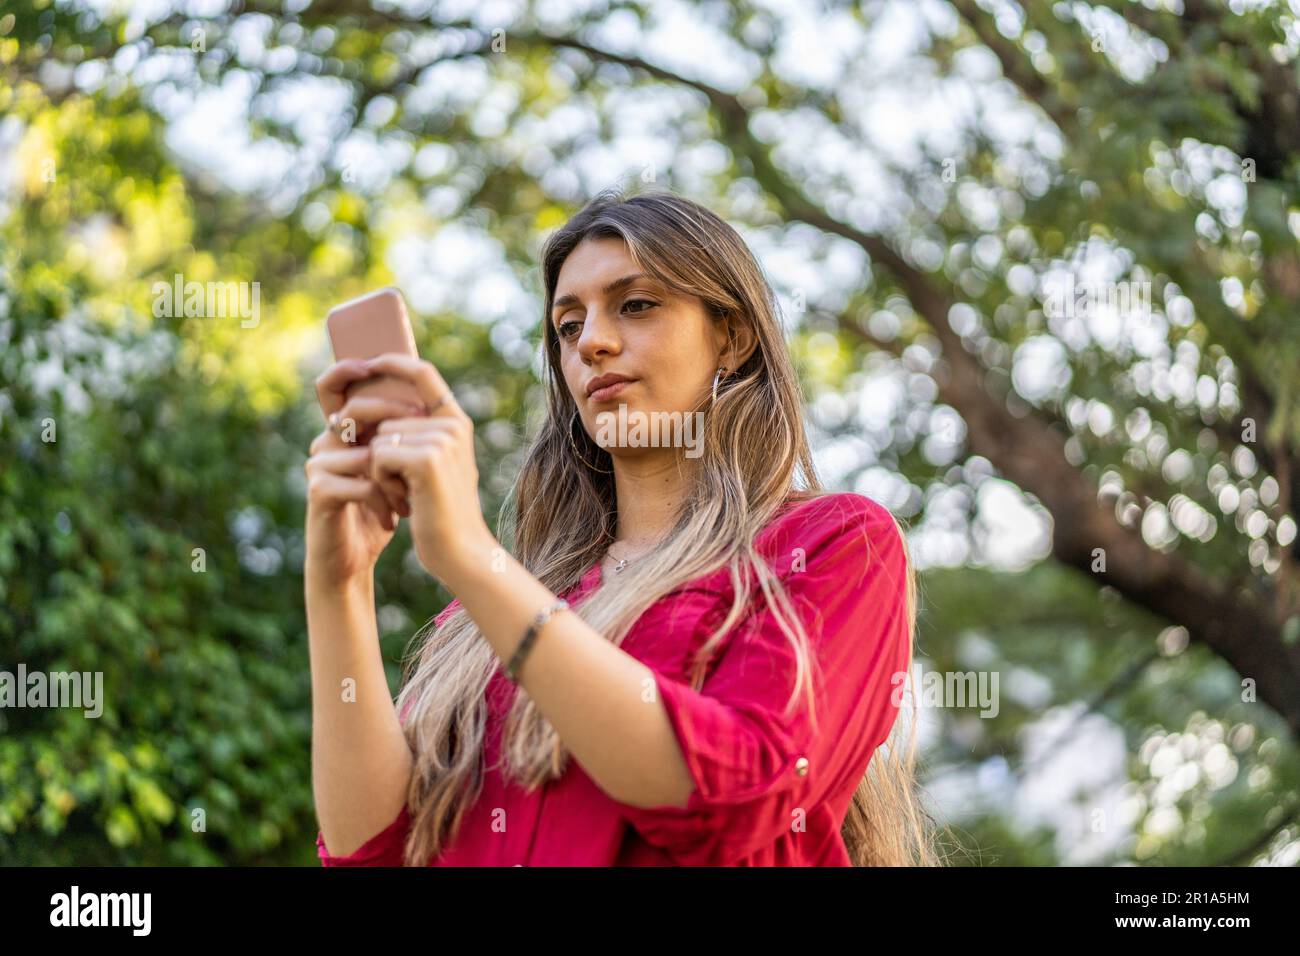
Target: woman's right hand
x=350 y=518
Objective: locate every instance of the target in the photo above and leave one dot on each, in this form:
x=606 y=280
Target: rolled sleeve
x=758 y=770
x=385 y=848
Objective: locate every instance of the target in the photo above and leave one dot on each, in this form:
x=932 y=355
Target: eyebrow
x=568 y=299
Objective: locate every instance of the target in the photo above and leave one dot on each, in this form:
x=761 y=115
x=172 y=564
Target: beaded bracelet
x=517 y=658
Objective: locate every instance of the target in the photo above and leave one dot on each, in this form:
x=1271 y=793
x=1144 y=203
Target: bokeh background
x=1101 y=501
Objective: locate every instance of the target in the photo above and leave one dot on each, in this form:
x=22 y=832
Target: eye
x=566 y=329
x=646 y=302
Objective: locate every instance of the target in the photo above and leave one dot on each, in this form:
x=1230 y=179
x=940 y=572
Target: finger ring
x=397 y=438
x=334 y=423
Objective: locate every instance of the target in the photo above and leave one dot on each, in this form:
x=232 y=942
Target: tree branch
x=1029 y=451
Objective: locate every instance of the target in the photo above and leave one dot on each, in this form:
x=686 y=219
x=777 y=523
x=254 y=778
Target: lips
x=609 y=392
x=604 y=387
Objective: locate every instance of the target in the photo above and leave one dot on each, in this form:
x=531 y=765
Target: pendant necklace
x=622 y=562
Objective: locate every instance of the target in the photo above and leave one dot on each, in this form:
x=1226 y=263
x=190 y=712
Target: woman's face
x=611 y=319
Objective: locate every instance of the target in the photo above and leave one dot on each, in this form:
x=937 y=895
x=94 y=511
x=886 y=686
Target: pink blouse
x=768 y=791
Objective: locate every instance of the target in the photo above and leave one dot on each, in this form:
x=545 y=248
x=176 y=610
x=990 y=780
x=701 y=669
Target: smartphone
x=372 y=325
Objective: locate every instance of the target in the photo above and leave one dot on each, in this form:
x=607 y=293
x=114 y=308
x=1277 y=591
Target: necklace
x=622 y=562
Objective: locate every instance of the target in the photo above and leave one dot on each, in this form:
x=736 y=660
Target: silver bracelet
x=517 y=658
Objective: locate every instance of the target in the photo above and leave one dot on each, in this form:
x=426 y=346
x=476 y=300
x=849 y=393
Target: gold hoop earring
x=602 y=471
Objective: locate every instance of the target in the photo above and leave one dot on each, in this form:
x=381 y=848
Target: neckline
x=594 y=576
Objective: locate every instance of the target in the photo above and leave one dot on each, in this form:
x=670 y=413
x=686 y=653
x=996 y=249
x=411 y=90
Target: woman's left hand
x=434 y=459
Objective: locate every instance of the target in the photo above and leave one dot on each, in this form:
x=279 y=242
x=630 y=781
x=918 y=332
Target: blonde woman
x=691 y=655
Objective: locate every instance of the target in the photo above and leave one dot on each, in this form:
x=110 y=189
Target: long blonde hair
x=562 y=515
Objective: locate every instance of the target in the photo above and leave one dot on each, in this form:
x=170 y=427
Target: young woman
x=688 y=659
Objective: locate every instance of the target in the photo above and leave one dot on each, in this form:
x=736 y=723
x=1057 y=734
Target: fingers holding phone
x=349 y=519
x=431 y=390
x=333 y=384
x=434 y=456
x=357 y=419
x=355 y=424
x=352 y=514
x=352 y=390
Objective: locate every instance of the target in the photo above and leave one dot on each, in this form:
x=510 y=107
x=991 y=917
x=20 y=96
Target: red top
x=768 y=791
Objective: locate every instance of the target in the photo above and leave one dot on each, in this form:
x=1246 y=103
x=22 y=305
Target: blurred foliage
x=180 y=433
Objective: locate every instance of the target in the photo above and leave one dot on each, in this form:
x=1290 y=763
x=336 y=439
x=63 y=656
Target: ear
x=736 y=341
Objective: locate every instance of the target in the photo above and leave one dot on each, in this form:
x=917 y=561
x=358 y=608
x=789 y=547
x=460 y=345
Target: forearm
x=361 y=764
x=598 y=697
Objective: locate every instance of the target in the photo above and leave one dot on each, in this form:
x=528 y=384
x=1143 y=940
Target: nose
x=599 y=336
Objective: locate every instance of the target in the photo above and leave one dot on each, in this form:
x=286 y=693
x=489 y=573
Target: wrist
x=319 y=583
x=472 y=558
